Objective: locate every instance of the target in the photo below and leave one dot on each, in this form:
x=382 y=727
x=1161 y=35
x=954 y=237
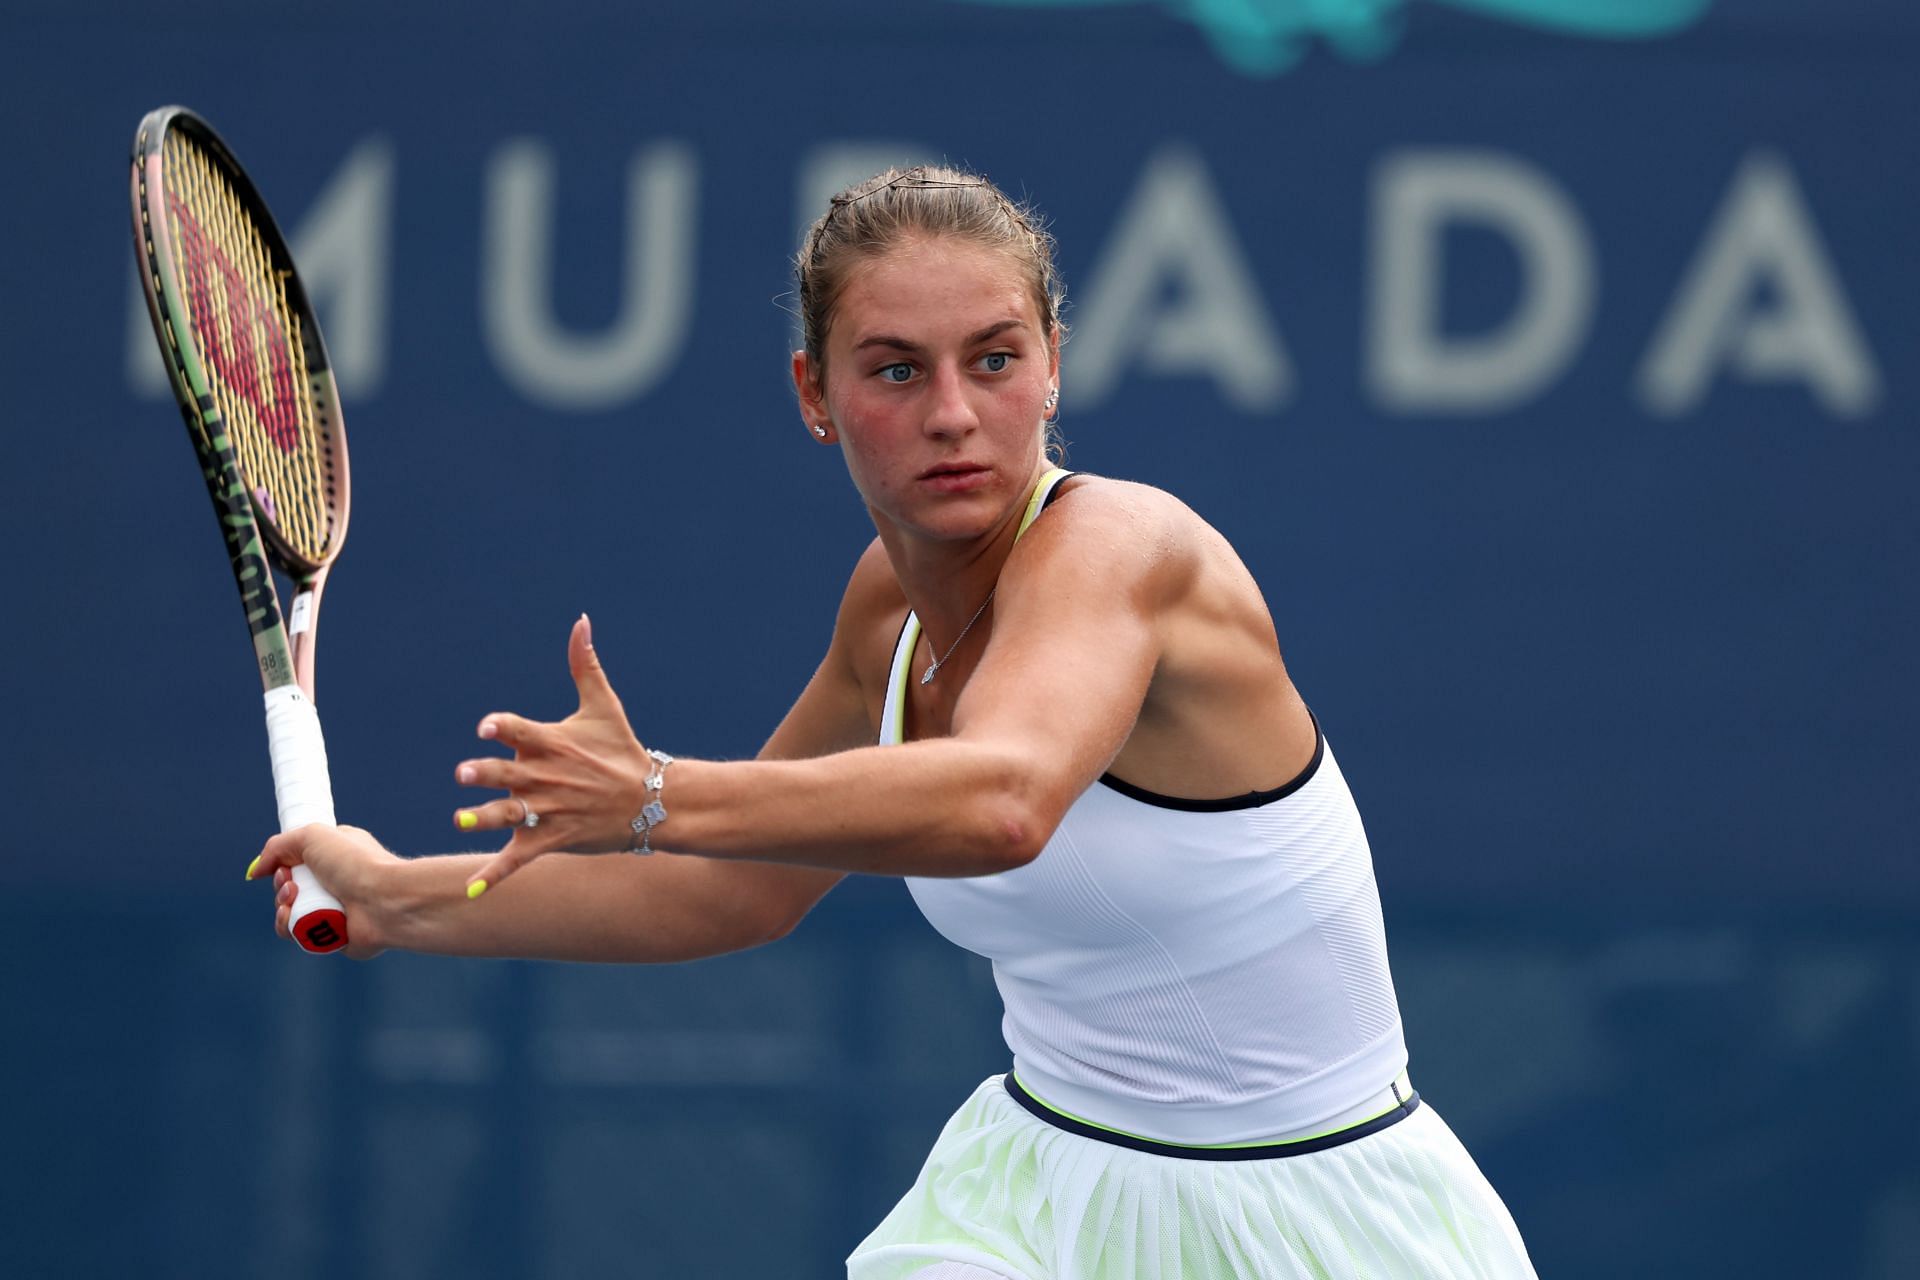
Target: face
x=937 y=374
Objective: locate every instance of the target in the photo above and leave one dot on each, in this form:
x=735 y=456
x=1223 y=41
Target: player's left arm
x=1082 y=608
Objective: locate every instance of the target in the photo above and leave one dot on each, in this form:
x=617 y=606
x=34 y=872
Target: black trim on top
x=1251 y=800
x=1265 y=1151
x=1054 y=492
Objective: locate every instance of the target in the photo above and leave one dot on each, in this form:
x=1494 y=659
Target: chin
x=961 y=519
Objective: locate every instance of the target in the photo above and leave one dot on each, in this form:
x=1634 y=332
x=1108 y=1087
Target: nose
x=950 y=413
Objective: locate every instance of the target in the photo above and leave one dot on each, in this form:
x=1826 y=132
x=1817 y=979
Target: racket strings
x=252 y=347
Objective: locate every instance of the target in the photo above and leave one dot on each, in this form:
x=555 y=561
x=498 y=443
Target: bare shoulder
x=1113 y=543
x=873 y=594
x=1139 y=514
x=871 y=612
x=1105 y=497
x=1104 y=526
x=1219 y=715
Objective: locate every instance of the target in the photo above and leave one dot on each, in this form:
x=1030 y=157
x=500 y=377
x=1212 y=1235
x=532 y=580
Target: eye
x=897 y=372
x=997 y=361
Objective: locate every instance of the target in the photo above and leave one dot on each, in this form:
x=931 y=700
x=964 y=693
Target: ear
x=1053 y=359
x=812 y=392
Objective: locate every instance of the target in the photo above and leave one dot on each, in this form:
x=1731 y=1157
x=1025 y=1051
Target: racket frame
x=255 y=546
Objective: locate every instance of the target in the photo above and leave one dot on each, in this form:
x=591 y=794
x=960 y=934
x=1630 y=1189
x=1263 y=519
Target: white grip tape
x=300 y=781
x=301 y=786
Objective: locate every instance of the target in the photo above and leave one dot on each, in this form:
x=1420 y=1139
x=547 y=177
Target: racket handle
x=304 y=794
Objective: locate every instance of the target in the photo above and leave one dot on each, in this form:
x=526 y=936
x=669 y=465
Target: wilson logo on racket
x=243 y=341
x=237 y=525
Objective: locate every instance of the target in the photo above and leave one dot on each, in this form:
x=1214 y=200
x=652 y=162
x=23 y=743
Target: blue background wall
x=1557 y=384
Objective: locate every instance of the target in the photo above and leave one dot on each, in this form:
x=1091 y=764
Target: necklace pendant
x=955 y=646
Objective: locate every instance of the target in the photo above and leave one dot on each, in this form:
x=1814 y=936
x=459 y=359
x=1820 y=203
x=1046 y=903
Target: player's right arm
x=613 y=908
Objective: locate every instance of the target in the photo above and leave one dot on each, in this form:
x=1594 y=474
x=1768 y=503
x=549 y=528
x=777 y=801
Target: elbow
x=1016 y=821
x=1023 y=843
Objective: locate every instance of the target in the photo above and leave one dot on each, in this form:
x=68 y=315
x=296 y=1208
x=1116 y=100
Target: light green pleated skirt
x=1017 y=1197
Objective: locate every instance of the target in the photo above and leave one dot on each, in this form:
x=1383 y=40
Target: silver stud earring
x=1053 y=399
x=820 y=431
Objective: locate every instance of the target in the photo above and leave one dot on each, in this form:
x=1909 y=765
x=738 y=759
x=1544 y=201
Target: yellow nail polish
x=477 y=888
x=467 y=821
x=252 y=865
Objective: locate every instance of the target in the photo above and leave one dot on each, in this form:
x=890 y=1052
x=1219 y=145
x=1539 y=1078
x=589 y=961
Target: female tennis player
x=1056 y=705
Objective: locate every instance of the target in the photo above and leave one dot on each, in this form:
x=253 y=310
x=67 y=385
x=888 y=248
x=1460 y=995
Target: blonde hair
x=871 y=217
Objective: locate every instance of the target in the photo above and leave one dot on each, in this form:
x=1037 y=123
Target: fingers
x=496 y=772
x=589 y=677
x=518 y=853
x=514 y=731
x=494 y=815
x=287 y=849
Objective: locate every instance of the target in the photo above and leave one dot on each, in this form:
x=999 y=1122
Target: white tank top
x=1192 y=971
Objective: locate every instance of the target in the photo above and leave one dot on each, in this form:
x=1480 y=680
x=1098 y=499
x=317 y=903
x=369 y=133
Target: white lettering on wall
x=1171 y=294
x=1763 y=234
x=342 y=247
x=1412 y=366
x=1173 y=229
x=558 y=369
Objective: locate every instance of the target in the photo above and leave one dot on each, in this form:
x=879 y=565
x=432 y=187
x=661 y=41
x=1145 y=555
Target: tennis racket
x=247 y=363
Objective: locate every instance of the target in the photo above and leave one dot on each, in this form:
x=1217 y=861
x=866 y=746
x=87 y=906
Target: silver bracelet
x=652 y=813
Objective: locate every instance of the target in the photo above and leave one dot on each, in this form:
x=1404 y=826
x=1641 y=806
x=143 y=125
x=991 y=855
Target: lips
x=950 y=476
x=951 y=469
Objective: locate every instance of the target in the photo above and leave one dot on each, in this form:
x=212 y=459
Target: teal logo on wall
x=1266 y=37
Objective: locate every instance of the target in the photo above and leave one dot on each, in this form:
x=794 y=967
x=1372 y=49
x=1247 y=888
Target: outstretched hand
x=578 y=782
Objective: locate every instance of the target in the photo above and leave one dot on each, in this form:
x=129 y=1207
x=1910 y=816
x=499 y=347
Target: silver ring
x=532 y=819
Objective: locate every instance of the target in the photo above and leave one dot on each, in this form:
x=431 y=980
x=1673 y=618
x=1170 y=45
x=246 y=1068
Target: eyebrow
x=888 y=340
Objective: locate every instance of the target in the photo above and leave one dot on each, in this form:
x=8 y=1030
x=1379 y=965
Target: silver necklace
x=927 y=676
